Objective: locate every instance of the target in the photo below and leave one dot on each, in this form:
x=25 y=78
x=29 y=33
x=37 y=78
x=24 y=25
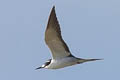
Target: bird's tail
x=87 y=60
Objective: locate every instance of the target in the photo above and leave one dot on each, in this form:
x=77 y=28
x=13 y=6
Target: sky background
x=91 y=29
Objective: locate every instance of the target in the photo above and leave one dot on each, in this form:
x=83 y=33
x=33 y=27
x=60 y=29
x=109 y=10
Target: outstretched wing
x=54 y=39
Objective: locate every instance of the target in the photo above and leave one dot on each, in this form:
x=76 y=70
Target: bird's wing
x=54 y=39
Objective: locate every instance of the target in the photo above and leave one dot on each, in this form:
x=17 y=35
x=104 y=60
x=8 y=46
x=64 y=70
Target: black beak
x=38 y=68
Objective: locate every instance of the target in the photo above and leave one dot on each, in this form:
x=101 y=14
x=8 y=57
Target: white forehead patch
x=43 y=65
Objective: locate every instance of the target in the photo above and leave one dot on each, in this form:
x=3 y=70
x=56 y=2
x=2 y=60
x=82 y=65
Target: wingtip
x=53 y=9
x=53 y=6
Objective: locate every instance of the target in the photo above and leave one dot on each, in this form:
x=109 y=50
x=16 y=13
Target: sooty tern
x=61 y=55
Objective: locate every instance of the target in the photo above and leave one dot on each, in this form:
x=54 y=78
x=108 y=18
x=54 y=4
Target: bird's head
x=45 y=64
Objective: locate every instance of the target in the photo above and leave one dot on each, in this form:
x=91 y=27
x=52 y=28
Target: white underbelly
x=61 y=63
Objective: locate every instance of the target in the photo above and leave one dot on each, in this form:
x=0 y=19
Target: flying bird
x=61 y=55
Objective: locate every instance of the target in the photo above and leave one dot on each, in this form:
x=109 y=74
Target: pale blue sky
x=91 y=28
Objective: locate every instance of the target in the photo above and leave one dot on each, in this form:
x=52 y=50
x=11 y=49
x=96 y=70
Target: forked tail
x=86 y=60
